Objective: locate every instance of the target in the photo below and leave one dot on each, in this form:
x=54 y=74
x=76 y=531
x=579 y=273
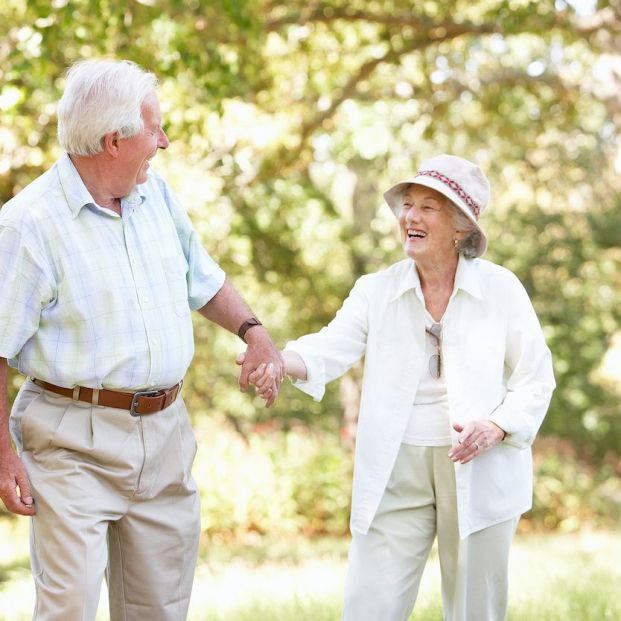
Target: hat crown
x=465 y=179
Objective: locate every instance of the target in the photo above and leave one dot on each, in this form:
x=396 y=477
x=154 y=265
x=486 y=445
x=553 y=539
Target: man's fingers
x=14 y=487
x=269 y=392
x=24 y=489
x=243 y=378
x=272 y=398
x=16 y=504
x=19 y=508
x=265 y=389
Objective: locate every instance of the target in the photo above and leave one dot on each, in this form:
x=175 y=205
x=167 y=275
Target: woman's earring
x=456 y=243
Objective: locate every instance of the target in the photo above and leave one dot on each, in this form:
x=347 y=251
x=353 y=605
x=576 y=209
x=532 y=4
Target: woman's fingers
x=263 y=377
x=472 y=441
x=258 y=374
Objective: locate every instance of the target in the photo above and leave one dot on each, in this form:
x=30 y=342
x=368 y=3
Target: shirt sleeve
x=530 y=380
x=27 y=287
x=204 y=276
x=333 y=350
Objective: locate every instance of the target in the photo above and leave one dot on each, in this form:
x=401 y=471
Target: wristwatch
x=253 y=321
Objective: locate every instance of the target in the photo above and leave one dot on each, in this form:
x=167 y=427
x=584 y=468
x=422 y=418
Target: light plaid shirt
x=91 y=298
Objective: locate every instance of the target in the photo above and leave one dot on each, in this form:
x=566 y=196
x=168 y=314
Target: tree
x=289 y=119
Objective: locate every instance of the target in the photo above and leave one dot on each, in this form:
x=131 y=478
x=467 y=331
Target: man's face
x=137 y=151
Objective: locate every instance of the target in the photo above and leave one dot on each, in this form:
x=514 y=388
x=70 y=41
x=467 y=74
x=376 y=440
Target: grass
x=553 y=578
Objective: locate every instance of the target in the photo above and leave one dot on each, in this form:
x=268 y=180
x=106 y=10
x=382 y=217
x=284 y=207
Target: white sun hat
x=461 y=181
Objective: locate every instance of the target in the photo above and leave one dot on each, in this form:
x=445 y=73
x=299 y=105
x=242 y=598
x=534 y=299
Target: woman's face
x=427 y=226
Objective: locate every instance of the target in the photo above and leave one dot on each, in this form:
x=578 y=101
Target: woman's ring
x=476 y=446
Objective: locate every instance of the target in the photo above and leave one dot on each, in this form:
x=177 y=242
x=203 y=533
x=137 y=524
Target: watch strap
x=253 y=321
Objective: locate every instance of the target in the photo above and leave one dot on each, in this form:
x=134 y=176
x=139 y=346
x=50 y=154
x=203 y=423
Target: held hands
x=261 y=355
x=475 y=437
x=264 y=376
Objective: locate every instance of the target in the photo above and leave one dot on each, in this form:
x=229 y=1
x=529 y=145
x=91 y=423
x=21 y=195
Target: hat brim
x=394 y=195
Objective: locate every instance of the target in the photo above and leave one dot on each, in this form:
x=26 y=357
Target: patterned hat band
x=473 y=206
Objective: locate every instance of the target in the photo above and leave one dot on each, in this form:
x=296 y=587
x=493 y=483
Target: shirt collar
x=466 y=278
x=75 y=191
x=77 y=194
x=410 y=280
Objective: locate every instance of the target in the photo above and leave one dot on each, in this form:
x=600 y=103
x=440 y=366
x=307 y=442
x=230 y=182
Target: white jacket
x=496 y=364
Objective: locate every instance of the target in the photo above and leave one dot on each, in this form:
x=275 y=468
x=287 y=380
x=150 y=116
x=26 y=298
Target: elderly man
x=100 y=268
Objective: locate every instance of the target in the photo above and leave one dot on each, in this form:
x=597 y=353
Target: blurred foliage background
x=287 y=122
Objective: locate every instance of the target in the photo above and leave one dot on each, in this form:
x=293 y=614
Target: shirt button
x=155 y=342
x=145 y=299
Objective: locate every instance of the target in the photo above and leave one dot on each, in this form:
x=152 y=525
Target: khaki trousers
x=386 y=564
x=115 y=496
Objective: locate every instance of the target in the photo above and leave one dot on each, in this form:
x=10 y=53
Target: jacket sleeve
x=530 y=377
x=333 y=350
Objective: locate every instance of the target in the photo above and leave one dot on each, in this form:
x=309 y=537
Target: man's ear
x=111 y=144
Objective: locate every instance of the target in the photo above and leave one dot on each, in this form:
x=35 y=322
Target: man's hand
x=474 y=438
x=14 y=486
x=261 y=351
x=228 y=309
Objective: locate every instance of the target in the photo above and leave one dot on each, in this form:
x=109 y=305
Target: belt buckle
x=137 y=395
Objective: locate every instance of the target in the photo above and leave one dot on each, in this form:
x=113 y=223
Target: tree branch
x=607 y=19
x=393 y=55
x=325 y=14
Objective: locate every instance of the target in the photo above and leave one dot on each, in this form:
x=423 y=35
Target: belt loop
x=95 y=397
x=76 y=393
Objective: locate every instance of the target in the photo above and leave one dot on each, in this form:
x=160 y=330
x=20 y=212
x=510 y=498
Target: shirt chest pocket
x=175 y=274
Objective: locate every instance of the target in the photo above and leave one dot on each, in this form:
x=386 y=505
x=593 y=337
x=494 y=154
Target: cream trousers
x=115 y=496
x=386 y=564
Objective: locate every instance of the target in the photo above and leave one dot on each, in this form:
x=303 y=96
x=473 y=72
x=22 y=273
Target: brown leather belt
x=138 y=403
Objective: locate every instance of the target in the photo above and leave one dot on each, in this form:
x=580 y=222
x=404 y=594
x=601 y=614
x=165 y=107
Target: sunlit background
x=287 y=121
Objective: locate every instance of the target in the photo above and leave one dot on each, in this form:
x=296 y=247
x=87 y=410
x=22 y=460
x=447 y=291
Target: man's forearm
x=227 y=308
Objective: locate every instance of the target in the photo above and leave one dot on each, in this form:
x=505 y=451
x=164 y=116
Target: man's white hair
x=101 y=96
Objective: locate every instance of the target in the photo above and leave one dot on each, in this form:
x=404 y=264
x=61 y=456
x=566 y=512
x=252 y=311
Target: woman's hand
x=475 y=437
x=263 y=378
x=261 y=349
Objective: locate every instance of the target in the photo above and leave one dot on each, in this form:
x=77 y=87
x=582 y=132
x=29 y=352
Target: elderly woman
x=457 y=381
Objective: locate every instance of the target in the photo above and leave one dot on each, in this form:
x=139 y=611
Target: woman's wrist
x=503 y=433
x=294 y=365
